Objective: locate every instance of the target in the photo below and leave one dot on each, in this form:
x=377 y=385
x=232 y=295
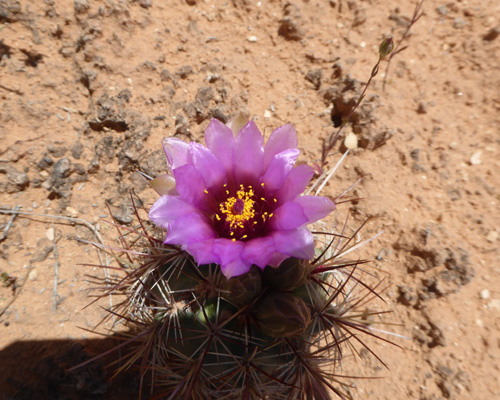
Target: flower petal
x=220 y=141
x=168 y=208
x=248 y=152
x=282 y=138
x=163 y=184
x=210 y=169
x=279 y=168
x=295 y=183
x=176 y=151
x=315 y=207
x=288 y=216
x=189 y=229
x=229 y=253
x=258 y=251
x=203 y=252
x=191 y=186
x=295 y=243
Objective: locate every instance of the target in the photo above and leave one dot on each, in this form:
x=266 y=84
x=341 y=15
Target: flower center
x=240 y=208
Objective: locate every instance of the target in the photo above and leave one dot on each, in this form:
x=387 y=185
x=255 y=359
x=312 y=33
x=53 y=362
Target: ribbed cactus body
x=254 y=336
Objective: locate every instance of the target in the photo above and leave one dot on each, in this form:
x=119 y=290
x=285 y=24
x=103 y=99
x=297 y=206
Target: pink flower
x=237 y=202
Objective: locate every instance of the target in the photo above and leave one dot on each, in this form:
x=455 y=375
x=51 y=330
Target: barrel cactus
x=227 y=294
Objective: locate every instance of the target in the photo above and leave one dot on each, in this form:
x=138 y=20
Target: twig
x=334 y=136
x=417 y=14
x=76 y=221
x=9 y=224
x=16 y=91
x=56 y=271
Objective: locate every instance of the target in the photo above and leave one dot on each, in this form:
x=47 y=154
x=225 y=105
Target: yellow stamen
x=275 y=200
x=237 y=218
x=206 y=191
x=262 y=184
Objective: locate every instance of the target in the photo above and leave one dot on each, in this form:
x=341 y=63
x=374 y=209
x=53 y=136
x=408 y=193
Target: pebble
x=492 y=236
x=351 y=141
x=476 y=158
x=252 y=39
x=71 y=212
x=33 y=275
x=268 y=114
x=49 y=233
x=484 y=294
x=494 y=304
x=458 y=23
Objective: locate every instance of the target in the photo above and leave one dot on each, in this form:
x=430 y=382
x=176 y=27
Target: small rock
x=484 y=294
x=351 y=141
x=33 y=275
x=62 y=168
x=314 y=76
x=45 y=163
x=81 y=6
x=268 y=114
x=77 y=150
x=442 y=10
x=492 y=236
x=252 y=39
x=19 y=179
x=291 y=25
x=492 y=34
x=458 y=23
x=43 y=248
x=476 y=158
x=50 y=234
x=422 y=108
x=57 y=151
x=71 y=212
x=184 y=71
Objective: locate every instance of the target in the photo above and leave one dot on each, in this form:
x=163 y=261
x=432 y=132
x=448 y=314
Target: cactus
x=208 y=325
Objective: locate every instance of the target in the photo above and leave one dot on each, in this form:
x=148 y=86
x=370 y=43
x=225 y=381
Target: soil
x=89 y=89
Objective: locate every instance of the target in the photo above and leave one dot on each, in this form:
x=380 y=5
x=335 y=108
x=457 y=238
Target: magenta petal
x=248 y=152
x=203 y=252
x=295 y=243
x=176 y=151
x=288 y=216
x=190 y=186
x=168 y=208
x=277 y=259
x=279 y=168
x=219 y=139
x=258 y=251
x=295 y=183
x=229 y=253
x=189 y=229
x=283 y=138
x=315 y=207
x=210 y=169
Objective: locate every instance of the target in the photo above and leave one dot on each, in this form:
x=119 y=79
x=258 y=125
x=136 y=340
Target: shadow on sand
x=38 y=370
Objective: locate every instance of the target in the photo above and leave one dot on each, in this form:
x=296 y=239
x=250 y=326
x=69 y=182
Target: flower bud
x=290 y=274
x=241 y=290
x=386 y=47
x=282 y=315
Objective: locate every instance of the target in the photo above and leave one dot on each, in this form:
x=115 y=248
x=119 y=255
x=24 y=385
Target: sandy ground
x=88 y=90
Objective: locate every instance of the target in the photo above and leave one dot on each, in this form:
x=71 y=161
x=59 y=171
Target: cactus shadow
x=38 y=370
